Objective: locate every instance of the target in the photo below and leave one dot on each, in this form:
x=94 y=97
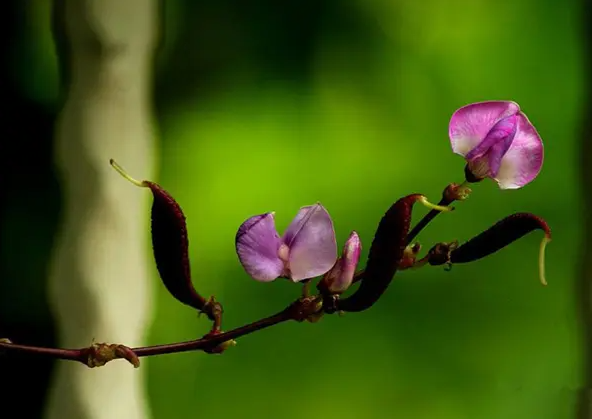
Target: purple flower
x=498 y=141
x=306 y=250
x=341 y=276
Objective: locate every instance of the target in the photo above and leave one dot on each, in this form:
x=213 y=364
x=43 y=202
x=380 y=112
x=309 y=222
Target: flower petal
x=502 y=132
x=257 y=244
x=485 y=159
x=470 y=124
x=296 y=224
x=311 y=239
x=524 y=159
x=506 y=131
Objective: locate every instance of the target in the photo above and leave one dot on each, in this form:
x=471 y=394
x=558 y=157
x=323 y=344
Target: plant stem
x=427 y=219
x=300 y=310
x=212 y=340
x=447 y=198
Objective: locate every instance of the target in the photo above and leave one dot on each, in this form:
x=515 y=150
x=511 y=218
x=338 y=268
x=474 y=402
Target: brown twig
x=98 y=354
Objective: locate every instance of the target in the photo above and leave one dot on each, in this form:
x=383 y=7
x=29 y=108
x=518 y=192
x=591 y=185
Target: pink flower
x=498 y=141
x=307 y=249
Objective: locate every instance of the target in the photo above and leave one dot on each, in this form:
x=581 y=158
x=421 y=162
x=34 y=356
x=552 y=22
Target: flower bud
x=409 y=259
x=341 y=276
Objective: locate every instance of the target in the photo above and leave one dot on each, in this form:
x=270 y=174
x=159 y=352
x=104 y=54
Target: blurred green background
x=275 y=105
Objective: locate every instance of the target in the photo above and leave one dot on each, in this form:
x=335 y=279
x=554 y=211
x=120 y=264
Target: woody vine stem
x=98 y=354
x=307 y=249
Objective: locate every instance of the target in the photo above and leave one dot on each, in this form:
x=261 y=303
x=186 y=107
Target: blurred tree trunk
x=99 y=280
x=585 y=289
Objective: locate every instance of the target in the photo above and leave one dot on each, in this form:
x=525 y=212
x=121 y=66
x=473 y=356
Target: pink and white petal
x=502 y=132
x=257 y=245
x=311 y=239
x=505 y=131
x=296 y=224
x=470 y=124
x=524 y=159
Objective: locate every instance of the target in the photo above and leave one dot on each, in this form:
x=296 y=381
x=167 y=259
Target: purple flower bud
x=341 y=276
x=306 y=250
x=498 y=141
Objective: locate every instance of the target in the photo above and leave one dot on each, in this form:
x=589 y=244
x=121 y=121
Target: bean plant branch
x=97 y=354
x=483 y=133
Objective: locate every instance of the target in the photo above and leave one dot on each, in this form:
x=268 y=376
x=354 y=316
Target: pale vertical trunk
x=585 y=281
x=99 y=279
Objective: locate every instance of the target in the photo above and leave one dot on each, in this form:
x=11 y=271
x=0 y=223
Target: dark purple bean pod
x=171 y=247
x=500 y=235
x=386 y=252
x=170 y=244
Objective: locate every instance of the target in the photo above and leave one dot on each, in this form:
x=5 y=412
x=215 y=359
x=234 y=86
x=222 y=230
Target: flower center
x=479 y=167
x=284 y=253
